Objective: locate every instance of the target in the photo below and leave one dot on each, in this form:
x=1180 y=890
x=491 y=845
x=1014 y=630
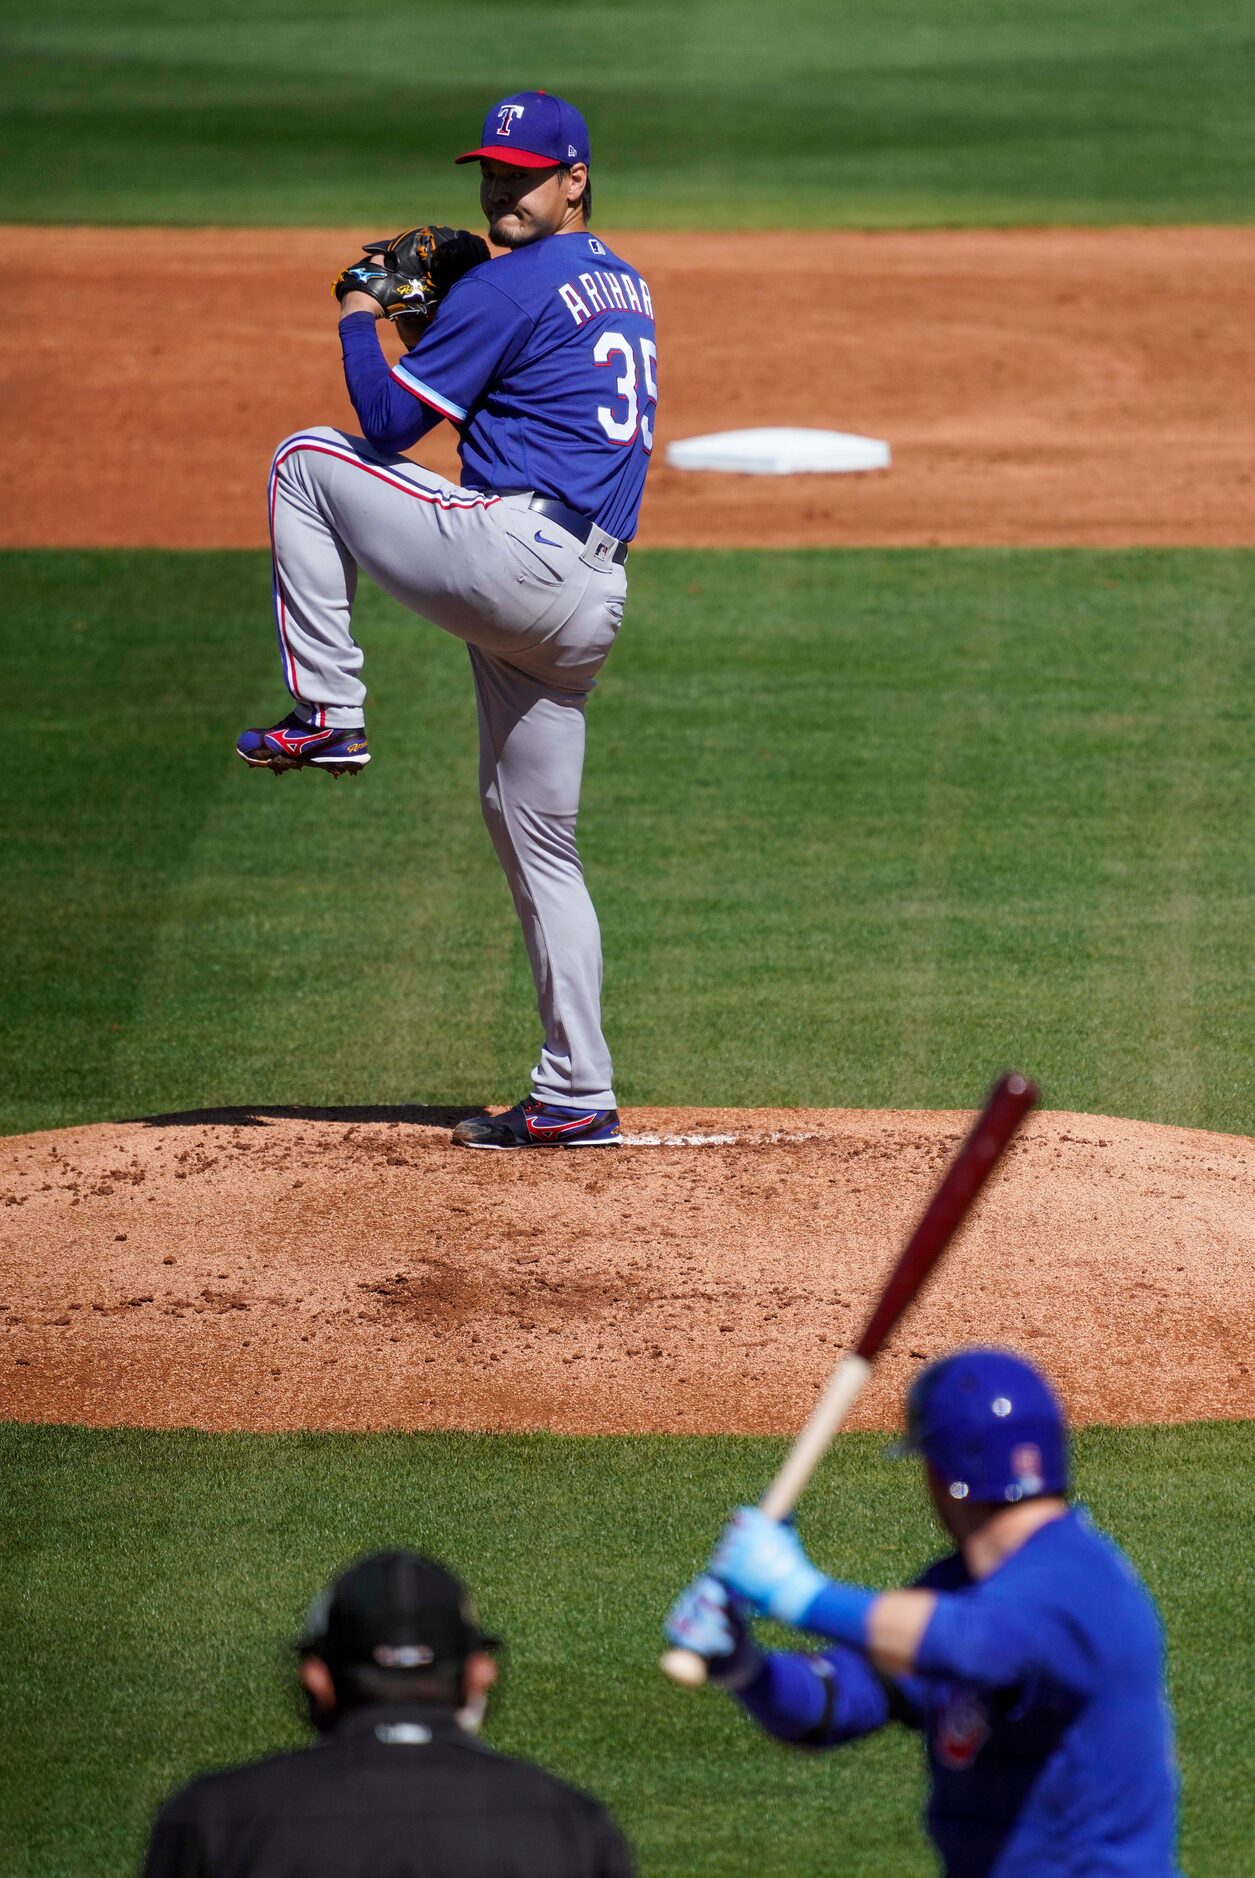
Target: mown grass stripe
x=861 y=827
x=154 y=1578
x=867 y=114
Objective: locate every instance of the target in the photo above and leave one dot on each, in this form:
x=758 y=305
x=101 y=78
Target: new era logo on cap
x=532 y=130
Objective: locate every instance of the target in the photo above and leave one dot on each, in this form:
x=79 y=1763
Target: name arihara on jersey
x=546 y=360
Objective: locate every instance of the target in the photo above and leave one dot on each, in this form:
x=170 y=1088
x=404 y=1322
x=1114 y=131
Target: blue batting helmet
x=990 y=1425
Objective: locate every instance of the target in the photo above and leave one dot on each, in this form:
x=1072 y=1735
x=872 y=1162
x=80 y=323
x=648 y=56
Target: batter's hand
x=764 y=1564
x=705 y=1619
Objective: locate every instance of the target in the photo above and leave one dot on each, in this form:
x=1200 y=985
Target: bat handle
x=844 y=1387
x=1008 y=1103
x=684 y=1666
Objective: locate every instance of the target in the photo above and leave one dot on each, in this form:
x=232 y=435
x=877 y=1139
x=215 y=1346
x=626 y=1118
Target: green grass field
x=155 y=1578
x=861 y=827
x=835 y=113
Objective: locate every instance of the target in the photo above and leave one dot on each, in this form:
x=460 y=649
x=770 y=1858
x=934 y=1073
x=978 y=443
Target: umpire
x=396 y=1673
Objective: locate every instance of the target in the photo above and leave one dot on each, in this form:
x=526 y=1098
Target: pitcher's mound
x=263 y=1270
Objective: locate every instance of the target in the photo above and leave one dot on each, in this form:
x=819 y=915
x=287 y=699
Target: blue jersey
x=1040 y=1694
x=546 y=361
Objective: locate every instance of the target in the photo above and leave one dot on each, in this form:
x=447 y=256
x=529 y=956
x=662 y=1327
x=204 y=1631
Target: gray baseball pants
x=538 y=616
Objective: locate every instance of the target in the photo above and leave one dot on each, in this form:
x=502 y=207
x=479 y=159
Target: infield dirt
x=1047 y=386
x=266 y=1270
x=286 y=1270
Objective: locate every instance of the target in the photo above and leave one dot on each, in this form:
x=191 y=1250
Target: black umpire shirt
x=389 y=1792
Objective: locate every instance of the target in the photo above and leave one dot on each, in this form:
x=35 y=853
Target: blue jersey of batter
x=545 y=360
x=1040 y=1694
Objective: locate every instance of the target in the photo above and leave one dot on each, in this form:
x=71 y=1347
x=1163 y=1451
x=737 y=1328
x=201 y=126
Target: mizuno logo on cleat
x=290 y=742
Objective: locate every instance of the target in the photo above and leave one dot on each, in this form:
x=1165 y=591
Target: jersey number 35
x=621 y=425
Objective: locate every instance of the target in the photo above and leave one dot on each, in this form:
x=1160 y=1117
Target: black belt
x=570 y=519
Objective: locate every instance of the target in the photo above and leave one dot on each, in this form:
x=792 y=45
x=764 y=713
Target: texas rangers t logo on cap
x=554 y=134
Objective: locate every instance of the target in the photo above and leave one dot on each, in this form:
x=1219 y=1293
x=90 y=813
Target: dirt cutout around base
x=284 y=1270
x=1053 y=387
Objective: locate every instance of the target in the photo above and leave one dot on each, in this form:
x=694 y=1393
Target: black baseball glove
x=410 y=273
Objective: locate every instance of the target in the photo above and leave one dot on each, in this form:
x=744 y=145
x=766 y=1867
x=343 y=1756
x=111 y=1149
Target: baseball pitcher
x=545 y=362
x=1030 y=1657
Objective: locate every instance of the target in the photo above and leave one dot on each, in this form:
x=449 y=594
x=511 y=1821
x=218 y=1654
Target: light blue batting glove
x=705 y=1620
x=764 y=1564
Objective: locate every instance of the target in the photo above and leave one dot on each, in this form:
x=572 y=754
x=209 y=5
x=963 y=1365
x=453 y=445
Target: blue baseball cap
x=533 y=131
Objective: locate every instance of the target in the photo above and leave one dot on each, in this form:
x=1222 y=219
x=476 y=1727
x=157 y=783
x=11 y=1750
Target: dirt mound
x=272 y=1269
x=1049 y=386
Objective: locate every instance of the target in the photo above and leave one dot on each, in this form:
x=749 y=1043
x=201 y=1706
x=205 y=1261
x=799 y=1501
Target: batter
x=545 y=362
x=1030 y=1658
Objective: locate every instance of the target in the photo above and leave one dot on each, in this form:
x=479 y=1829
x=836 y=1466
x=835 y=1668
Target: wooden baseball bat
x=1009 y=1102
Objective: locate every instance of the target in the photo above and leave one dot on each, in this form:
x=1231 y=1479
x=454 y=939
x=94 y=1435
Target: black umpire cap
x=394 y=1611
